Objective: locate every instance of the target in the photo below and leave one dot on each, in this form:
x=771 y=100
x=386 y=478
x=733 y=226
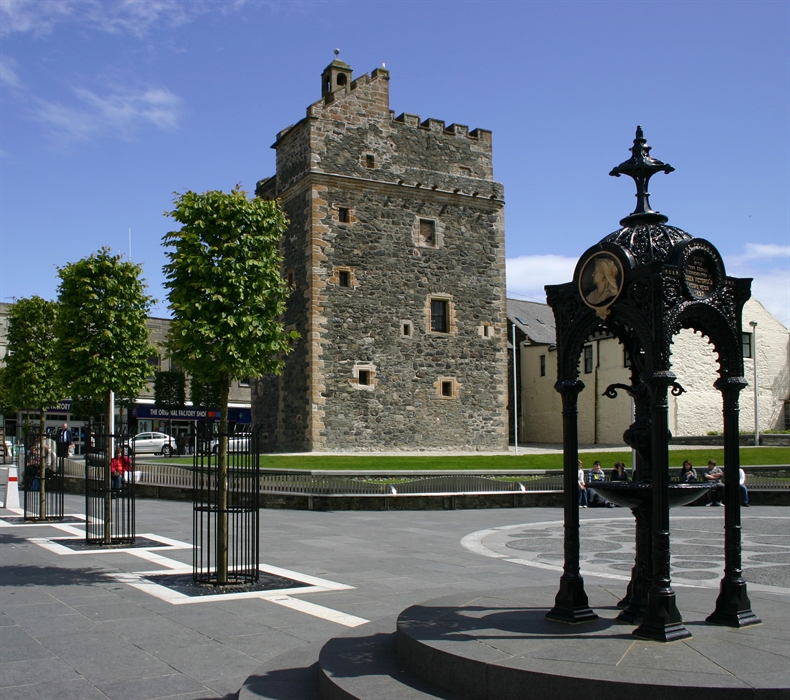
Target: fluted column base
x=733 y=607
x=571 y=604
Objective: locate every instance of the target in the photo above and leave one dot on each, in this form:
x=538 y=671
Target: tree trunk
x=222 y=486
x=42 y=469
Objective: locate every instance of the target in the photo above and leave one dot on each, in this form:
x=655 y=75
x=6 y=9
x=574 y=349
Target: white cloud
x=764 y=251
x=33 y=15
x=8 y=74
x=119 y=16
x=769 y=266
x=772 y=290
x=526 y=275
x=121 y=112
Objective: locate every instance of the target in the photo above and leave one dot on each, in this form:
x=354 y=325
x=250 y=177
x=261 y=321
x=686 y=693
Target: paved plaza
x=86 y=624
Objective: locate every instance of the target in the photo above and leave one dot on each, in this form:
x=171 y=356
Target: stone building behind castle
x=396 y=257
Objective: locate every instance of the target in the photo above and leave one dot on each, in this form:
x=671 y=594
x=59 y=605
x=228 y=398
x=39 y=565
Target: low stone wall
x=442 y=502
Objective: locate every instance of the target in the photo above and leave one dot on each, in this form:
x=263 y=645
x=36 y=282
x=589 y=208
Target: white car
x=153 y=443
x=236 y=443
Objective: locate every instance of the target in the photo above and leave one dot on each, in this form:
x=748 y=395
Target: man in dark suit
x=64 y=441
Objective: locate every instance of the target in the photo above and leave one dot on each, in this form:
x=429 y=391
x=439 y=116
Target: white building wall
x=698 y=411
x=541 y=405
x=600 y=420
x=695 y=412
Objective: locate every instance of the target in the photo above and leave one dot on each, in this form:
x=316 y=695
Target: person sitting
x=743 y=489
x=119 y=465
x=619 y=473
x=713 y=475
x=596 y=475
x=687 y=474
x=582 y=487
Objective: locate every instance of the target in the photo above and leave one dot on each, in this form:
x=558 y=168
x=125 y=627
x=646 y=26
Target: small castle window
x=439 y=316
x=289 y=278
x=344 y=278
x=341 y=79
x=370 y=161
x=428 y=232
x=364 y=377
x=465 y=170
x=488 y=330
x=447 y=388
x=542 y=365
x=342 y=215
x=405 y=329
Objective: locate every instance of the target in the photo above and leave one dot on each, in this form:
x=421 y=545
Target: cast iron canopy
x=645 y=234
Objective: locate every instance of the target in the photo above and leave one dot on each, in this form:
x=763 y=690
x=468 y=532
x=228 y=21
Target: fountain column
x=662 y=621
x=571 y=604
x=733 y=607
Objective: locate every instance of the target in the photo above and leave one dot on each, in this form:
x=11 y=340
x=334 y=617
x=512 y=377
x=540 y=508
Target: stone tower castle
x=396 y=255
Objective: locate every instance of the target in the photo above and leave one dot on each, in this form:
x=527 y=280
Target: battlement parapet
x=437 y=125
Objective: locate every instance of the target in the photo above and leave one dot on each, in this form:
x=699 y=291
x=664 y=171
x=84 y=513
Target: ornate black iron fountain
x=643 y=284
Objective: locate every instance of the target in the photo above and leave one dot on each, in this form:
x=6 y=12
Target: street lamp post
x=515 y=394
x=753 y=324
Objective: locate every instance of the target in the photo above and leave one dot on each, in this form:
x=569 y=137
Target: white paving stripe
x=318 y=611
x=155 y=558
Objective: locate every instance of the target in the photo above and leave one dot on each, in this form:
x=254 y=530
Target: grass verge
x=372 y=463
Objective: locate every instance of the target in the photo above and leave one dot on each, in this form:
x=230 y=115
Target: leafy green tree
x=103 y=345
x=202 y=394
x=169 y=393
x=206 y=396
x=169 y=390
x=227 y=294
x=32 y=377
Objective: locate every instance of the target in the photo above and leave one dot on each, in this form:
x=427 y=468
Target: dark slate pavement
x=70 y=629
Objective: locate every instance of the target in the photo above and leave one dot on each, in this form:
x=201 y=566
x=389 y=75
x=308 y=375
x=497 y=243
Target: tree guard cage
x=43 y=499
x=643 y=284
x=109 y=489
x=241 y=508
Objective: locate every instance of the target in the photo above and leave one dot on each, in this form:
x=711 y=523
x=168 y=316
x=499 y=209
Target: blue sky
x=109 y=107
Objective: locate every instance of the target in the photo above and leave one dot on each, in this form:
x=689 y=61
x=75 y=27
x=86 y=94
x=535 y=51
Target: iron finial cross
x=641 y=166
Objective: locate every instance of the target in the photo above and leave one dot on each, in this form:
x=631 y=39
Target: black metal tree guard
x=109 y=497
x=643 y=284
x=240 y=508
x=42 y=503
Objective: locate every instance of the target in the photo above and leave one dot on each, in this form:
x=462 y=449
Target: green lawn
x=699 y=457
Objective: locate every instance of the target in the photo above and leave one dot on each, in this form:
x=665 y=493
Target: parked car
x=152 y=443
x=236 y=443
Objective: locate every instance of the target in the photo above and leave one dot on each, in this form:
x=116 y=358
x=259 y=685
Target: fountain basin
x=638 y=494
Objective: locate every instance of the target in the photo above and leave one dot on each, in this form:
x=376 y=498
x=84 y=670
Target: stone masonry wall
x=368 y=373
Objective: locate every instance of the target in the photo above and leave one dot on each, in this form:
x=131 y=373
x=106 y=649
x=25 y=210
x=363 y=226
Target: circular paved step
x=501 y=647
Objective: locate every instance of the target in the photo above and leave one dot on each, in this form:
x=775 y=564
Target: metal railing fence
x=777 y=478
